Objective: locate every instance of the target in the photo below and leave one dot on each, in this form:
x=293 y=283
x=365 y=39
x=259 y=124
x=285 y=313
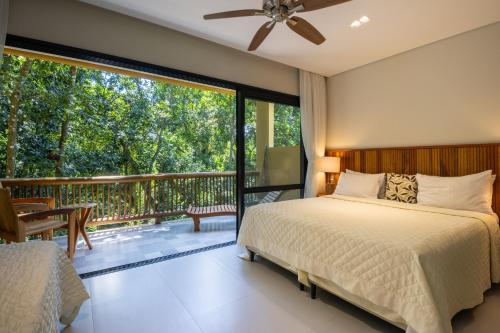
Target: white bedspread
x=38 y=288
x=424 y=264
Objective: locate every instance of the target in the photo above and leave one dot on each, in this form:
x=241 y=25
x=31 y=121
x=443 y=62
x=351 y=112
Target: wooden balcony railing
x=134 y=198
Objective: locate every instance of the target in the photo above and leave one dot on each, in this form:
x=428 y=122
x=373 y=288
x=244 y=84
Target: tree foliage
x=86 y=122
x=74 y=122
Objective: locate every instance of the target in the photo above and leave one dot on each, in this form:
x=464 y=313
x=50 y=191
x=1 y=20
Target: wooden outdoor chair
x=29 y=205
x=36 y=204
x=16 y=227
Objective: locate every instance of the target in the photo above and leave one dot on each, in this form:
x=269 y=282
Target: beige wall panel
x=447 y=92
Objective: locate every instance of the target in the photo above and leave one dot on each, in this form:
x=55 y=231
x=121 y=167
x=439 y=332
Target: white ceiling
x=396 y=26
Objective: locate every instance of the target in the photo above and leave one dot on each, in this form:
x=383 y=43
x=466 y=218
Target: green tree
x=85 y=122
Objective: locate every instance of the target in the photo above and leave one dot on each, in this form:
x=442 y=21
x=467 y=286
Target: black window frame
x=265 y=96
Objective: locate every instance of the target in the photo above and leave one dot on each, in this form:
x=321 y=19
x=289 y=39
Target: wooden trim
x=113 y=69
x=443 y=160
x=465 y=145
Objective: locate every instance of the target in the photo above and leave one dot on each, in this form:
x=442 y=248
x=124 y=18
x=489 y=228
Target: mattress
x=39 y=288
x=423 y=264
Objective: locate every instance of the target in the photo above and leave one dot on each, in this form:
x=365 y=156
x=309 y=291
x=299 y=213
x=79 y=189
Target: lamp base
x=330 y=187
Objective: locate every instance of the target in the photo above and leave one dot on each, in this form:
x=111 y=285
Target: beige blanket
x=38 y=288
x=424 y=264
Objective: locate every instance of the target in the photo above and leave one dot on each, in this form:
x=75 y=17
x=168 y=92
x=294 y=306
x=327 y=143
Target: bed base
x=252 y=255
x=315 y=282
x=302 y=287
x=312 y=291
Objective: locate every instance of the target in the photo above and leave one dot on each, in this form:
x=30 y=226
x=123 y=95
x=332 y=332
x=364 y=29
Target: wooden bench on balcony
x=198 y=212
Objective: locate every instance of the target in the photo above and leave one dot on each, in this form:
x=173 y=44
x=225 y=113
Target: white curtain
x=313 y=109
x=4 y=14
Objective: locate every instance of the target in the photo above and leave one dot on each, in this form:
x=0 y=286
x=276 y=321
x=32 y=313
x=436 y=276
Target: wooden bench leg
x=196 y=220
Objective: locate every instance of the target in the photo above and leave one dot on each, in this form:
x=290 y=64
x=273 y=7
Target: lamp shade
x=329 y=164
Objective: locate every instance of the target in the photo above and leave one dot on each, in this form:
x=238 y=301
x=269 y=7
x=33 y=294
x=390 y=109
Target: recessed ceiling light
x=359 y=22
x=355 y=24
x=364 y=19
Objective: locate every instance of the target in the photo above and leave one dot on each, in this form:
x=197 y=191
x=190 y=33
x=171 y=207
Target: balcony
x=140 y=218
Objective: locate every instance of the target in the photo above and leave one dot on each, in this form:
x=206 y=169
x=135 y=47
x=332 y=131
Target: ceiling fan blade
x=261 y=34
x=310 y=5
x=234 y=13
x=305 y=29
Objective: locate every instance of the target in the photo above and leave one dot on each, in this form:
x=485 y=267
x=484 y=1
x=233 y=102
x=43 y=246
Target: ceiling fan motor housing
x=278 y=10
x=269 y=4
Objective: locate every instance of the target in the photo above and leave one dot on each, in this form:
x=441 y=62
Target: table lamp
x=329 y=165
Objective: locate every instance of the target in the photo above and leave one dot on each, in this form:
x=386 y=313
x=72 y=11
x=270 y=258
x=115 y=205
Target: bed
x=39 y=288
x=412 y=265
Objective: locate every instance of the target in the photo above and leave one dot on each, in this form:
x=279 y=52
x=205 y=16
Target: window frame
x=265 y=96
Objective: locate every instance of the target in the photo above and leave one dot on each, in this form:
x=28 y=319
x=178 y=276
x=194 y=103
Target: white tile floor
x=215 y=291
x=126 y=245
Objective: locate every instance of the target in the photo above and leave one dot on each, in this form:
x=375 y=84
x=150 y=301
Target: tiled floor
x=122 y=246
x=217 y=292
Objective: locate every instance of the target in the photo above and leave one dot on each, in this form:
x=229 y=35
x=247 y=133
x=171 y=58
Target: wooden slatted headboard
x=457 y=160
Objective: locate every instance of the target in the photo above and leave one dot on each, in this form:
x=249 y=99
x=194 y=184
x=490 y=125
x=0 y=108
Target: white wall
x=76 y=24
x=443 y=93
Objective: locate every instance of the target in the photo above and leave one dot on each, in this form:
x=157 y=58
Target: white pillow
x=382 y=180
x=358 y=185
x=472 y=192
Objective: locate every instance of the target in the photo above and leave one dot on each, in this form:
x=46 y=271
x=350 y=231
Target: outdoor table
x=85 y=213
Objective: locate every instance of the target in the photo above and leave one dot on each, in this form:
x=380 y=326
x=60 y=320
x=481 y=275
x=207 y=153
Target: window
x=109 y=134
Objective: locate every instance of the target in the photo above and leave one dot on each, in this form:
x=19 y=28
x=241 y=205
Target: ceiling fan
x=281 y=11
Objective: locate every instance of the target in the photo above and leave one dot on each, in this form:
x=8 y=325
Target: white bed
x=412 y=265
x=38 y=288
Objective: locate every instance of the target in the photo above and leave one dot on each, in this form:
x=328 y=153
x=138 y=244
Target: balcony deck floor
x=126 y=245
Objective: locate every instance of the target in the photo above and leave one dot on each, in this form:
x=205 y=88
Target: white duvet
x=424 y=264
x=38 y=288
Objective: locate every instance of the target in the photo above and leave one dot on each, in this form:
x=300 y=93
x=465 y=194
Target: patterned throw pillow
x=402 y=188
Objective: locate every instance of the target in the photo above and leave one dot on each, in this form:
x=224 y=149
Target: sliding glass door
x=270 y=151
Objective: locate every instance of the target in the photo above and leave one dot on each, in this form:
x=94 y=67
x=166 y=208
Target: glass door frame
x=242 y=95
